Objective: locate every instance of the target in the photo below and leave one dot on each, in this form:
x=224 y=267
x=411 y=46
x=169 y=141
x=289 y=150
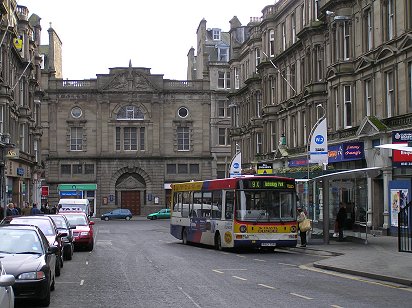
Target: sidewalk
x=377 y=259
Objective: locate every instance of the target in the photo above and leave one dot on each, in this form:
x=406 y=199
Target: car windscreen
x=59 y=221
x=18 y=241
x=77 y=220
x=44 y=225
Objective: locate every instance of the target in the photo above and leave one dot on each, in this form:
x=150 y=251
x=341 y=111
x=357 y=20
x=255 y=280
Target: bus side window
x=229 y=205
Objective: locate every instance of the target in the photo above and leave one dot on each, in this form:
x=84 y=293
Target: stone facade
x=128 y=134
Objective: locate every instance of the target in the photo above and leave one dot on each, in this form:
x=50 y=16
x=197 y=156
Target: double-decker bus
x=246 y=211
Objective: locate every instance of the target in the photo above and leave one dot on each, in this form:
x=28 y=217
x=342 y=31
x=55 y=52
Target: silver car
x=6 y=291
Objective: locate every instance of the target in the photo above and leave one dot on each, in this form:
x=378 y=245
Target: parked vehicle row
x=33 y=250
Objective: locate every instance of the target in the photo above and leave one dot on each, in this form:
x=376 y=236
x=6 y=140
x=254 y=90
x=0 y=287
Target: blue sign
x=111 y=198
x=20 y=171
x=346 y=152
x=236 y=165
x=70 y=193
x=319 y=139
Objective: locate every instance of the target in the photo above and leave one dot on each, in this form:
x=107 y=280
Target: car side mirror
x=52 y=250
x=91 y=223
x=7 y=280
x=62 y=234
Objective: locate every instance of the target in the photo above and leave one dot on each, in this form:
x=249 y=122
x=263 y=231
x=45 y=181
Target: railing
x=405 y=229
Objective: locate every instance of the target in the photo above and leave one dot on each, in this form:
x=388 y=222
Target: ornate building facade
x=20 y=97
x=349 y=61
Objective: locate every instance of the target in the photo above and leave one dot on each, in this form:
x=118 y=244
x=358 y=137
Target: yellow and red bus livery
x=245 y=211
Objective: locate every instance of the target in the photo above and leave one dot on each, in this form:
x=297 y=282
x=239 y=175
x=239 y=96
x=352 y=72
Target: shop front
x=79 y=191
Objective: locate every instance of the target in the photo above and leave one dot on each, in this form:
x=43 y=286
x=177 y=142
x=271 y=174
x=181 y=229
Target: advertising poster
x=399 y=196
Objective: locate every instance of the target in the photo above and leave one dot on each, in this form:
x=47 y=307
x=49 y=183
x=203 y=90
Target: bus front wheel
x=218 y=242
x=184 y=236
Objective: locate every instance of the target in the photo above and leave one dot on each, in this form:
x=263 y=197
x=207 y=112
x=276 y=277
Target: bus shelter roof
x=350 y=174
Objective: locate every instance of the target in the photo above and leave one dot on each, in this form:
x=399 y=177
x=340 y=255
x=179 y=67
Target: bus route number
x=255 y=184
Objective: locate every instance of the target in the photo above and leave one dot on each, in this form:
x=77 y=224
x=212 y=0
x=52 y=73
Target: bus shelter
x=329 y=183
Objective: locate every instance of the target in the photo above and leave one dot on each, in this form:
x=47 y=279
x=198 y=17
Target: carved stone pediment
x=130 y=183
x=129 y=82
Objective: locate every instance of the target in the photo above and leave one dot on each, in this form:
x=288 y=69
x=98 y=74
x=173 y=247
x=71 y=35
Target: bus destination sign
x=269 y=184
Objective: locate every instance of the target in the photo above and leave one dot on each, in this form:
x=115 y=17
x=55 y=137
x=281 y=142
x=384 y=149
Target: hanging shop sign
x=346 y=152
x=263 y=168
x=401 y=158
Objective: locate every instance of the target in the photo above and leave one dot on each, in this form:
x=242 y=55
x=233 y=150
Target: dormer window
x=216 y=34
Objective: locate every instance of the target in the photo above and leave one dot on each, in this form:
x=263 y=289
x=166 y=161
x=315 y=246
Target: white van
x=74 y=205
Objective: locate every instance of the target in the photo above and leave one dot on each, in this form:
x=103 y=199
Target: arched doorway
x=131 y=191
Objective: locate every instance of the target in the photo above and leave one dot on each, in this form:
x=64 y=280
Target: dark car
x=26 y=254
x=163 y=213
x=117 y=214
x=63 y=225
x=49 y=229
x=83 y=232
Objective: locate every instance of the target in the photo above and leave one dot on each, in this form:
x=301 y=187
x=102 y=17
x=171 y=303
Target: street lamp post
x=4 y=145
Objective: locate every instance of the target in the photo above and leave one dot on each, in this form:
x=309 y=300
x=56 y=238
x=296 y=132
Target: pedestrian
x=10 y=208
x=35 y=210
x=301 y=217
x=25 y=211
x=17 y=209
x=340 y=220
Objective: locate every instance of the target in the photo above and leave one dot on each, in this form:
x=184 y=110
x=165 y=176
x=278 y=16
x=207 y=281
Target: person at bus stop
x=301 y=217
x=340 y=219
x=35 y=210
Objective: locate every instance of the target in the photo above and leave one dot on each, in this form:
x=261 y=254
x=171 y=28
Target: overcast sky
x=157 y=34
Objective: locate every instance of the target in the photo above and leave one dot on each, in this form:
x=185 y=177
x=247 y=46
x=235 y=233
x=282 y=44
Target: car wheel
x=58 y=266
x=90 y=246
x=154 y=217
x=184 y=236
x=127 y=218
x=218 y=242
x=106 y=218
x=45 y=302
x=61 y=260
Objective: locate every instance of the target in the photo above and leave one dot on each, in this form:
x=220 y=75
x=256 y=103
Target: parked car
x=83 y=232
x=64 y=226
x=117 y=214
x=49 y=229
x=6 y=290
x=163 y=213
x=26 y=254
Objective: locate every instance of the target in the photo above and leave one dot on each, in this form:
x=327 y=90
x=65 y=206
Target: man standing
x=340 y=219
x=35 y=210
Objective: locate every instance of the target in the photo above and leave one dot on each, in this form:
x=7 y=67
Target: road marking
x=352 y=277
x=189 y=297
x=240 y=278
x=232 y=269
x=68 y=282
x=240 y=256
x=336 y=306
x=287 y=264
x=266 y=286
x=81 y=282
x=87 y=262
x=301 y=296
x=260 y=260
x=219 y=272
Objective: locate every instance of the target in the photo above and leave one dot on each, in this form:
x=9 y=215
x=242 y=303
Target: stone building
x=20 y=97
x=210 y=61
x=348 y=61
x=122 y=138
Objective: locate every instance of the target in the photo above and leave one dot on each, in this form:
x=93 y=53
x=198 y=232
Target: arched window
x=130 y=113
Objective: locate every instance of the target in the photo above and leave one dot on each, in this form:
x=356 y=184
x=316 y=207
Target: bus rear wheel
x=184 y=236
x=218 y=242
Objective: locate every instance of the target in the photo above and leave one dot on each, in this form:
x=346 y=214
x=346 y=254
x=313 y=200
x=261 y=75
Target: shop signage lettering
x=401 y=158
x=346 y=152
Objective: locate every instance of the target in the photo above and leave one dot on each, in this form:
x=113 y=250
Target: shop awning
x=351 y=174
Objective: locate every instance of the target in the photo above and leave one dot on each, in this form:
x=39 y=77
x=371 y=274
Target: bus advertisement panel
x=246 y=211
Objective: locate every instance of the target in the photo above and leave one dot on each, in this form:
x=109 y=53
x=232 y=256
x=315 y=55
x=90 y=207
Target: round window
x=183 y=112
x=76 y=112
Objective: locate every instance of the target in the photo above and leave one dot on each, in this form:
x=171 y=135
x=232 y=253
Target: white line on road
x=260 y=260
x=189 y=297
x=216 y=271
x=288 y=264
x=81 y=282
x=336 y=306
x=301 y=296
x=87 y=262
x=240 y=278
x=266 y=286
x=240 y=256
